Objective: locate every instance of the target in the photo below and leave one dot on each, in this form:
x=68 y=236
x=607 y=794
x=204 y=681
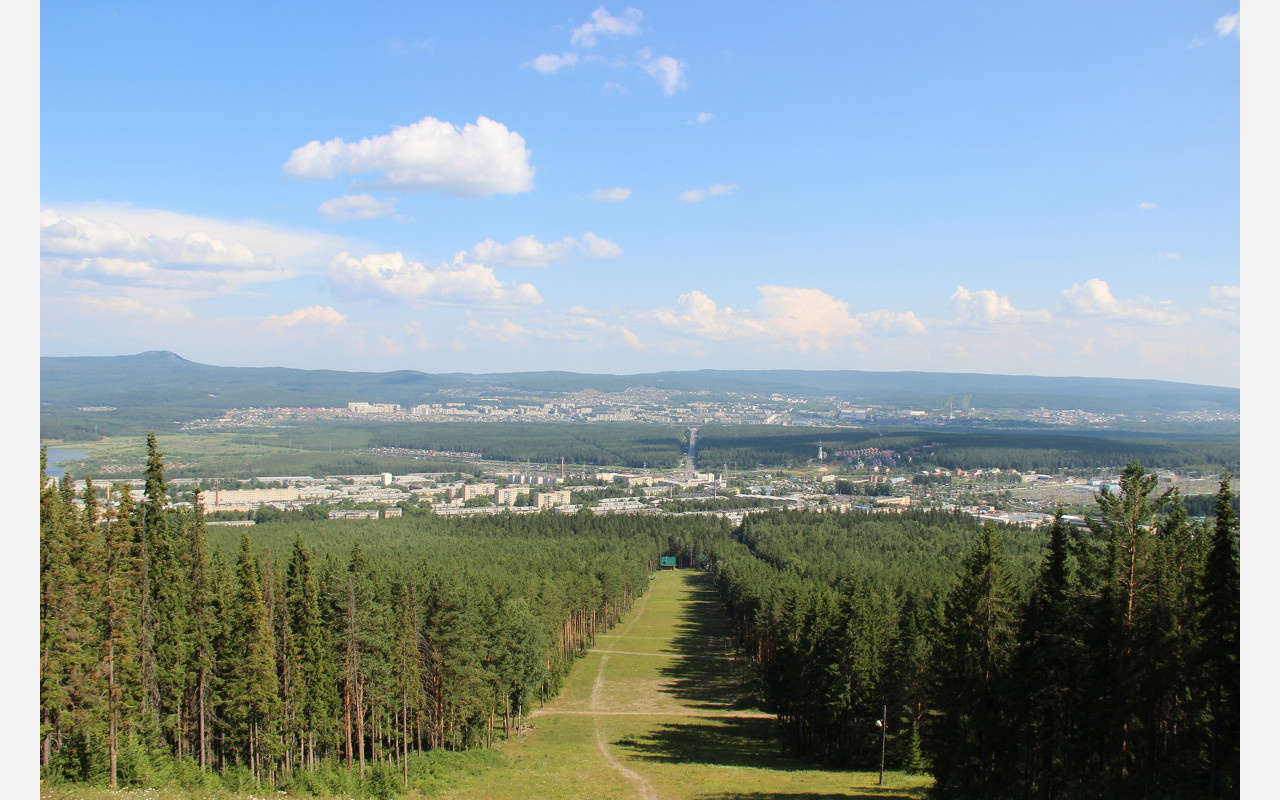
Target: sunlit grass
x=670 y=722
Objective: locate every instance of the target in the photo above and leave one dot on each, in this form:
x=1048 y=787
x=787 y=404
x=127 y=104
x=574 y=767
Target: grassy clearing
x=668 y=708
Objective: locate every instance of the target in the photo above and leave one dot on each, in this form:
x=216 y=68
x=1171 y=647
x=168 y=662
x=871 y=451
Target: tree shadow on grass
x=869 y=792
x=706 y=675
x=706 y=672
x=729 y=742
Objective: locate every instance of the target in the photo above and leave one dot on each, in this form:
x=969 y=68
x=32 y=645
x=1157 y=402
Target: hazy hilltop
x=160 y=378
x=157 y=390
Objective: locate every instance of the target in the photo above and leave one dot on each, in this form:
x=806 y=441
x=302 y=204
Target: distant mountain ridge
x=161 y=379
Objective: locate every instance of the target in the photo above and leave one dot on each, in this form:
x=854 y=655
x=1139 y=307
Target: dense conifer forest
x=325 y=657
x=320 y=656
x=1108 y=666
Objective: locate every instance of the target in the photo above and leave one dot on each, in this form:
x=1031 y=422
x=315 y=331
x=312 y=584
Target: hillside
x=161 y=380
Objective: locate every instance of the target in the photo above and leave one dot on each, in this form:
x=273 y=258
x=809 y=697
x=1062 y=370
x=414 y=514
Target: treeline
x=1113 y=671
x=747 y=446
x=171 y=653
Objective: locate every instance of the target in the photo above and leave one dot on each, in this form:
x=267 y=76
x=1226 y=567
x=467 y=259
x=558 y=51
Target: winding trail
x=641 y=783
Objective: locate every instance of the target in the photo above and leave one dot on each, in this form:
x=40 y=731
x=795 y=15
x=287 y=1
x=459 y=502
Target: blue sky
x=1013 y=187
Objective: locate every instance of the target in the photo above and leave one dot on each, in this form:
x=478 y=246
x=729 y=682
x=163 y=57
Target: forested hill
x=160 y=379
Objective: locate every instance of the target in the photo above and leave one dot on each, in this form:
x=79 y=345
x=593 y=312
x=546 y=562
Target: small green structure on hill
x=667 y=562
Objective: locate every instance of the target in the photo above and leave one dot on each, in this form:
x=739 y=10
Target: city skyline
x=994 y=188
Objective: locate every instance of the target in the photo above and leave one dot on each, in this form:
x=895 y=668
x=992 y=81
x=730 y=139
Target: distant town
x=868 y=480
x=652 y=405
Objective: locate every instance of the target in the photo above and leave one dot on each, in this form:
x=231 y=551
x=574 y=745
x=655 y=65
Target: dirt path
x=656 y=712
x=641 y=783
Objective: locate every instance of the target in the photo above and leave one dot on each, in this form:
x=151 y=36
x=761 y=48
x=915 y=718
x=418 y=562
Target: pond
x=57 y=455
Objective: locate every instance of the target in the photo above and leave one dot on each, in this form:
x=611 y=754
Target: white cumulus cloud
x=796 y=318
x=703 y=116
x=479 y=159
x=1093 y=298
x=356 y=206
x=985 y=306
x=602 y=22
x=390 y=276
x=697 y=314
x=615 y=195
x=551 y=63
x=698 y=195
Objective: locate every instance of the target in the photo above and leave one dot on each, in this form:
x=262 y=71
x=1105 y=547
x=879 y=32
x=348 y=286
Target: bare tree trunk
x=204 y=727
x=360 y=724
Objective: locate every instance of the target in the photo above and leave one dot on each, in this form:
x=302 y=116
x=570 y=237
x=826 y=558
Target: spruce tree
x=316 y=692
x=121 y=602
x=253 y=694
x=204 y=626
x=1219 y=656
x=969 y=739
x=1048 y=675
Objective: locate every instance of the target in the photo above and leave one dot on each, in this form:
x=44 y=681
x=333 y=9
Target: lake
x=57 y=455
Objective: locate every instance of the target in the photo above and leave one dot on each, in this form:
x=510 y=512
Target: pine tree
x=968 y=740
x=253 y=695
x=56 y=634
x=408 y=669
x=1047 y=675
x=1125 y=587
x=166 y=626
x=1219 y=655
x=120 y=610
x=204 y=627
x=316 y=693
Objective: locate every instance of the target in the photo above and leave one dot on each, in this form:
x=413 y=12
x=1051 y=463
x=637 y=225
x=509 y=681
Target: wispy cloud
x=604 y=23
x=1147 y=206
x=527 y=251
x=325 y=317
x=551 y=63
x=131 y=247
x=1224 y=304
x=698 y=195
x=666 y=70
x=615 y=195
x=400 y=47
x=1224 y=26
x=129 y=306
x=356 y=206
x=702 y=117
x=478 y=159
